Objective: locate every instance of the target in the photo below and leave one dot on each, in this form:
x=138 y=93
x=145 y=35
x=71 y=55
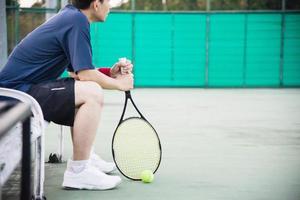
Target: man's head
x=95 y=10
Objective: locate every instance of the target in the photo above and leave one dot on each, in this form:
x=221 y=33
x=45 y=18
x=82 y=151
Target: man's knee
x=88 y=91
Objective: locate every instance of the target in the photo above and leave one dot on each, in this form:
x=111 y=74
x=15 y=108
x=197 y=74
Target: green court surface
x=241 y=144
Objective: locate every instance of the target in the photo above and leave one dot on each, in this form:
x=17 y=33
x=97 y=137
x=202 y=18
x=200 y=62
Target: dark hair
x=83 y=4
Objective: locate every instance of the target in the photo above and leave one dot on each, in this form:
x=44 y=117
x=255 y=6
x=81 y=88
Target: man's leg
x=88 y=101
x=96 y=160
x=81 y=173
x=59 y=100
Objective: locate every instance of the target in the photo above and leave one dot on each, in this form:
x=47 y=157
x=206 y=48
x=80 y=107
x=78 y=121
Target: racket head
x=136 y=147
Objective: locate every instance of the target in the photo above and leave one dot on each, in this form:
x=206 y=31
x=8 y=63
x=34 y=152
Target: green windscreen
x=112 y=39
x=189 y=50
x=153 y=44
x=291 y=57
x=263 y=49
x=203 y=49
x=226 y=50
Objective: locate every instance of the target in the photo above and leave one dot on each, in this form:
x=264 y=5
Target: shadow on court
x=217 y=145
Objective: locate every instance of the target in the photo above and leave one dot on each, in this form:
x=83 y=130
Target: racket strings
x=136 y=147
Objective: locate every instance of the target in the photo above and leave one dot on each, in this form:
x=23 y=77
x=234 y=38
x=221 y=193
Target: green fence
x=216 y=49
x=191 y=49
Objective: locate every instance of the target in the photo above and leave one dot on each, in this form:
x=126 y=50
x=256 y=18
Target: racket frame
x=128 y=96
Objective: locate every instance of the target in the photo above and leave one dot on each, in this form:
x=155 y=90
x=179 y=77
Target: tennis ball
x=147 y=176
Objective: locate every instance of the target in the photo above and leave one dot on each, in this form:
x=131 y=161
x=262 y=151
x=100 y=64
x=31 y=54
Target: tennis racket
x=135 y=144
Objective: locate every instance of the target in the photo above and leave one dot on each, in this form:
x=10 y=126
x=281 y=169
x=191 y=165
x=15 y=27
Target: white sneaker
x=101 y=164
x=89 y=178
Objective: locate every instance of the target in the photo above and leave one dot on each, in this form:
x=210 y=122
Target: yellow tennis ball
x=147 y=176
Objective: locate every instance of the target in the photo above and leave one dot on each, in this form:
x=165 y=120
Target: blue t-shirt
x=62 y=42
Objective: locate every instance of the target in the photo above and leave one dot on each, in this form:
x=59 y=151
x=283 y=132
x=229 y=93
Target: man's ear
x=96 y=5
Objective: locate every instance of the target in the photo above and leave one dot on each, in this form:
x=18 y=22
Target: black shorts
x=57 y=100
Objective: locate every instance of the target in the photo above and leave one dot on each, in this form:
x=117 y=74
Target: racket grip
x=123 y=61
x=122 y=71
x=127 y=93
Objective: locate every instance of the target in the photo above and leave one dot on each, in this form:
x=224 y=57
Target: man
x=36 y=63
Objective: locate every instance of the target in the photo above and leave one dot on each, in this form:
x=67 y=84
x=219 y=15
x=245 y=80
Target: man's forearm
x=103 y=80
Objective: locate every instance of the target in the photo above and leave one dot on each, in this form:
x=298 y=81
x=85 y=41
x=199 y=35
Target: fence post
x=207 y=5
x=132 y=5
x=63 y=3
x=207 y=38
x=133 y=32
x=282 y=44
x=3 y=34
x=173 y=47
x=51 y=4
x=164 y=3
x=207 y=49
x=245 y=50
x=17 y=22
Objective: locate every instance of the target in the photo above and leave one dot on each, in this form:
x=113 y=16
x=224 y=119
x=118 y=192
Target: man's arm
x=105 y=71
x=122 y=82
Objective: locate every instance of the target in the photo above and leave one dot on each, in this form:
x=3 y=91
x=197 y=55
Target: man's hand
x=120 y=68
x=125 y=82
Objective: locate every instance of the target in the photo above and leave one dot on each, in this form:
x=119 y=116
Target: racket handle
x=127 y=93
x=122 y=71
x=123 y=61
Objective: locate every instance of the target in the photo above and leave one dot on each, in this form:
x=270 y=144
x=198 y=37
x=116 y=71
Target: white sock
x=92 y=151
x=77 y=166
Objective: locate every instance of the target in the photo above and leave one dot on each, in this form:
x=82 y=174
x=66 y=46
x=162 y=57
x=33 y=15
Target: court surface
x=218 y=144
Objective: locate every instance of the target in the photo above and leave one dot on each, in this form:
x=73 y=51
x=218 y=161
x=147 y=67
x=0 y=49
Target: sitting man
x=35 y=65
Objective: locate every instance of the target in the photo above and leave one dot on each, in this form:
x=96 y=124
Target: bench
x=10 y=151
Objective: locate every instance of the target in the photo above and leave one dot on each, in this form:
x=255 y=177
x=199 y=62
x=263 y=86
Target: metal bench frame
x=38 y=125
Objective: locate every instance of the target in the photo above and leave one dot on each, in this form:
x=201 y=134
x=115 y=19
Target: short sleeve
x=78 y=46
x=70 y=68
